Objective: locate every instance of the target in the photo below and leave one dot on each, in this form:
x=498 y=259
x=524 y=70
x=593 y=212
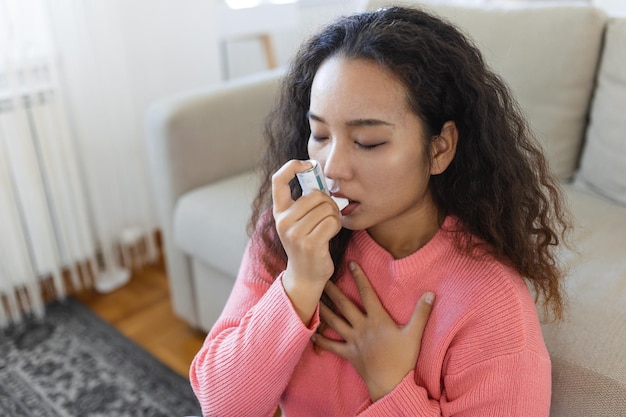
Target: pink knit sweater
x=482 y=352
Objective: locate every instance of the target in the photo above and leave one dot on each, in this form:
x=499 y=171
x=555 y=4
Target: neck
x=402 y=237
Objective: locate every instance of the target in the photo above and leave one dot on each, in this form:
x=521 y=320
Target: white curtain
x=74 y=201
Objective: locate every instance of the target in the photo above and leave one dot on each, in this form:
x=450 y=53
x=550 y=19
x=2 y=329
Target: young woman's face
x=370 y=145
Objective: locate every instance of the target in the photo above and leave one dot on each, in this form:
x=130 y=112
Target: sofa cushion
x=548 y=56
x=603 y=166
x=588 y=348
x=210 y=222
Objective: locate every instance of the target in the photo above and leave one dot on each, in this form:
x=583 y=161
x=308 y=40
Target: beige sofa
x=567 y=67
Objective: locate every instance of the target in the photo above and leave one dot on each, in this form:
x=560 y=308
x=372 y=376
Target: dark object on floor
x=73 y=363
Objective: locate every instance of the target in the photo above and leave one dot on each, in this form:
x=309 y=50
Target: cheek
x=385 y=182
x=408 y=163
x=399 y=178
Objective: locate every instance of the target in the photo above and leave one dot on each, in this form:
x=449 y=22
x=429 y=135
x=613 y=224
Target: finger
x=370 y=299
x=338 y=348
x=281 y=192
x=420 y=315
x=335 y=322
x=343 y=304
x=306 y=220
x=319 y=198
x=324 y=218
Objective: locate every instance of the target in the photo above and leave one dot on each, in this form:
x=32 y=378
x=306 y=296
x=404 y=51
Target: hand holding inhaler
x=305 y=227
x=313 y=179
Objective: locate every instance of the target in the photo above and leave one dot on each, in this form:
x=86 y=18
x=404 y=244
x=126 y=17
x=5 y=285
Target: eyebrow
x=354 y=123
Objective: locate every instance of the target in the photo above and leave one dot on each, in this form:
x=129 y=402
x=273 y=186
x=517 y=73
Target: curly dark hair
x=499 y=184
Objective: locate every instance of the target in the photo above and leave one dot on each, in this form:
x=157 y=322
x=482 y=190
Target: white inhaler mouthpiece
x=313 y=179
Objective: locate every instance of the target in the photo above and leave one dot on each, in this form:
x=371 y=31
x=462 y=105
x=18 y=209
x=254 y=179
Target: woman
x=425 y=309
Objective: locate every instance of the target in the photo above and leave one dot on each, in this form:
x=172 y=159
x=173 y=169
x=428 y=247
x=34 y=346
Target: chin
x=354 y=224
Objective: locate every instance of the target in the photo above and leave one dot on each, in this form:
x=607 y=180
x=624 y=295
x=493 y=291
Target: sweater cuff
x=406 y=399
x=315 y=320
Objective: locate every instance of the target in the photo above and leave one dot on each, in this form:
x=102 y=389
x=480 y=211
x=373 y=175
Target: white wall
x=612 y=7
x=169 y=46
x=246 y=56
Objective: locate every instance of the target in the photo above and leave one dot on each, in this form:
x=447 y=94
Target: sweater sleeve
x=248 y=357
x=517 y=384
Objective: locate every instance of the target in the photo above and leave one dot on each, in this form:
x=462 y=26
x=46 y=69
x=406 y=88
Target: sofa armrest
x=193 y=139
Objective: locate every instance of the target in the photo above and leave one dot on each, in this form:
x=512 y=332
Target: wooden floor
x=143 y=312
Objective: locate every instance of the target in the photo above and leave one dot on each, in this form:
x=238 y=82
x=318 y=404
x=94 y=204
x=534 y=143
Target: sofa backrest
x=603 y=165
x=548 y=56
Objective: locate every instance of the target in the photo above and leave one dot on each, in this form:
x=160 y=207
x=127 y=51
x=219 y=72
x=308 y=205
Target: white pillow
x=603 y=165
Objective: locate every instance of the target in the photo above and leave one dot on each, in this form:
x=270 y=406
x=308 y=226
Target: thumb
x=420 y=315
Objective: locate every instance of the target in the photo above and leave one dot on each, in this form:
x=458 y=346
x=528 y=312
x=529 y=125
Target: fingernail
x=352 y=265
x=429 y=298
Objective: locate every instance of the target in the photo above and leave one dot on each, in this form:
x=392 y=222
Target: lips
x=350 y=208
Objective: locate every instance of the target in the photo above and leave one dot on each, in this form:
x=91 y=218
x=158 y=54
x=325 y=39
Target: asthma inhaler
x=313 y=179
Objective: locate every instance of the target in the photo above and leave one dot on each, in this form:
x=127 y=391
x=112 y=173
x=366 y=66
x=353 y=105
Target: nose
x=336 y=164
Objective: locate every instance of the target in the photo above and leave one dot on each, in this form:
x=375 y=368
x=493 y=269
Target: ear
x=443 y=148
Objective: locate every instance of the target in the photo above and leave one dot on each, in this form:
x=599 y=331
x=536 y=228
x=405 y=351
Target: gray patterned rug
x=74 y=364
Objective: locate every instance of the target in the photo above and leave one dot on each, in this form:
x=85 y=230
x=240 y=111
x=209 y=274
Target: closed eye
x=368 y=147
x=318 y=138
